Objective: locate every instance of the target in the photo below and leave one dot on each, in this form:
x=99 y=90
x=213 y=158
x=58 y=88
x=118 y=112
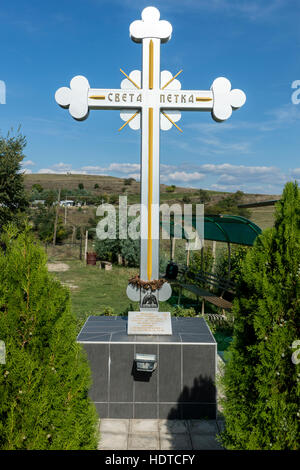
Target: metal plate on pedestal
x=149 y=323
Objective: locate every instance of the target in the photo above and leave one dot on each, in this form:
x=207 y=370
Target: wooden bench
x=206 y=295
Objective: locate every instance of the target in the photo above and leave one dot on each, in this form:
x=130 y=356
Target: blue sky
x=255 y=44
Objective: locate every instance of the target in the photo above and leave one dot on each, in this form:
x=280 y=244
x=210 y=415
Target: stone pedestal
x=181 y=387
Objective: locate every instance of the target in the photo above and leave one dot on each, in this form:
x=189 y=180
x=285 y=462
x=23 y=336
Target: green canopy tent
x=222 y=228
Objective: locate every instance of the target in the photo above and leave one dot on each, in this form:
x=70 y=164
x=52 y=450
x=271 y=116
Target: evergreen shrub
x=262 y=382
x=45 y=380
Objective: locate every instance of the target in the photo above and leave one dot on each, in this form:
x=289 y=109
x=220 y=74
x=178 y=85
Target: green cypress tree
x=44 y=384
x=261 y=382
x=13 y=200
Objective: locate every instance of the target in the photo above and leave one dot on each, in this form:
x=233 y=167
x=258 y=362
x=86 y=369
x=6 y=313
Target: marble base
x=181 y=387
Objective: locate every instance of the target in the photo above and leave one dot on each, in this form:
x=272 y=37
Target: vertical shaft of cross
x=149 y=267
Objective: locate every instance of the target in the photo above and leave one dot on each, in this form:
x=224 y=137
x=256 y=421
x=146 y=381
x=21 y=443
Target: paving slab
x=143 y=442
x=173 y=426
x=113 y=441
x=114 y=425
x=143 y=426
x=159 y=434
x=203 y=426
x=175 y=442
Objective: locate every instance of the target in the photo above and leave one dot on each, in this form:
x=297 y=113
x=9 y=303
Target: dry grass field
x=111 y=185
x=263 y=216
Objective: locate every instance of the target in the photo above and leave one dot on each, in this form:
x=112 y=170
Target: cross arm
x=189 y=100
x=79 y=98
x=220 y=99
x=99 y=98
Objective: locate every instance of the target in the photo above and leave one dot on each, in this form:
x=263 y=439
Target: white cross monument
x=150 y=100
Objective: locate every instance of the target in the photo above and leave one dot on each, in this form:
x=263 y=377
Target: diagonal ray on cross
x=150 y=99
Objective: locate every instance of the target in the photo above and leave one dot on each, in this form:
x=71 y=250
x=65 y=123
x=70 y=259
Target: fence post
x=80 y=246
x=86 y=244
x=56 y=218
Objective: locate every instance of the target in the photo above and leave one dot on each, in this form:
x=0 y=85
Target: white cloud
x=93 y=168
x=47 y=170
x=183 y=176
x=62 y=166
x=227 y=179
x=62 y=172
x=223 y=177
x=124 y=167
x=115 y=168
x=285 y=115
x=241 y=170
x=295 y=173
x=218 y=146
x=260 y=189
x=28 y=163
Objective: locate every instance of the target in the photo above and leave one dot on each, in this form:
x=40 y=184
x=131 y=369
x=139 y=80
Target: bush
x=229 y=205
x=109 y=249
x=43 y=220
x=13 y=200
x=37 y=187
x=44 y=383
x=204 y=196
x=108 y=311
x=183 y=312
x=237 y=256
x=130 y=250
x=114 y=199
x=200 y=262
x=186 y=199
x=128 y=181
x=261 y=382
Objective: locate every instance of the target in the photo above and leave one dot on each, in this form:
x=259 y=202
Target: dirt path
x=57 y=267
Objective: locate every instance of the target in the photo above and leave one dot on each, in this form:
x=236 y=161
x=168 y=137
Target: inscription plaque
x=149 y=323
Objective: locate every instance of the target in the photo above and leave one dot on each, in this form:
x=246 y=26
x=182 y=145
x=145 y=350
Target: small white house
x=67 y=203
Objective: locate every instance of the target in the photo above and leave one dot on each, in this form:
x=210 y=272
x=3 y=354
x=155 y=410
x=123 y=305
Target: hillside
x=109 y=185
x=114 y=185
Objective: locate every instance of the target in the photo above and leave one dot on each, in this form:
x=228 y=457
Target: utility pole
x=56 y=218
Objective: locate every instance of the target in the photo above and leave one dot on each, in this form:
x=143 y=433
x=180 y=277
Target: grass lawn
x=94 y=289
